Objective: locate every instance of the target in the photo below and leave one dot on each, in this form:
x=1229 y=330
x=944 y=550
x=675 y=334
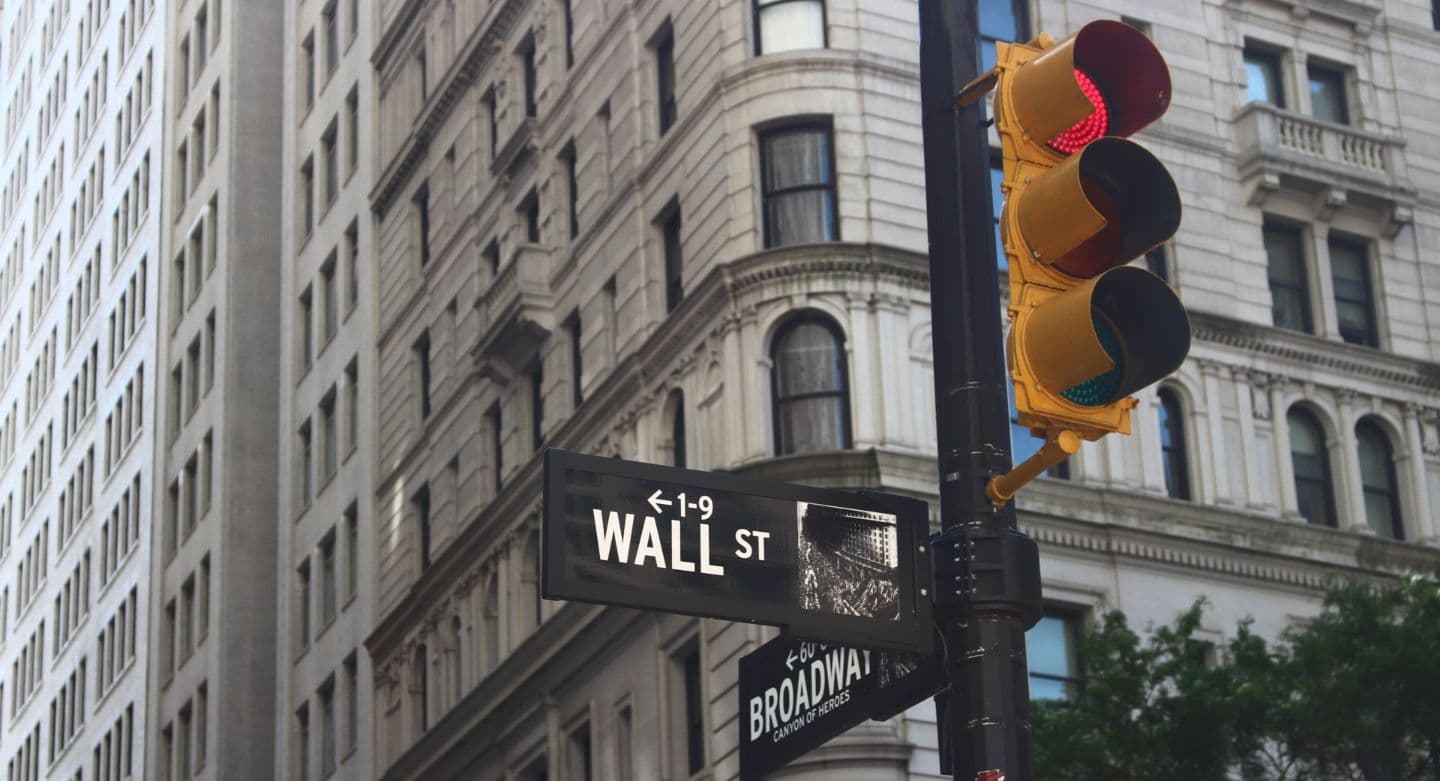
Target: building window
x=674 y=257
x=1050 y=650
x=422 y=367
x=1289 y=291
x=307 y=328
x=422 y=68
x=306 y=457
x=1263 y=83
x=530 y=214
x=1312 y=468
x=327 y=579
x=811 y=391
x=326 y=697
x=572 y=187
x=624 y=742
x=572 y=337
x=665 y=77
x=1354 y=305
x=997 y=201
x=677 y=429
x=307 y=66
x=307 y=195
x=352 y=405
x=332 y=38
x=492 y=422
x=352 y=550
x=330 y=158
x=352 y=130
x=527 y=66
x=1172 y=445
x=786 y=25
x=537 y=405
x=1377 y=479
x=1327 y=94
x=421 y=202
x=420 y=503
x=352 y=701
x=798 y=185
x=1158 y=261
x=1001 y=20
x=302 y=742
x=578 y=743
x=687 y=697
x=1024 y=444
x=302 y=604
x=568 y=18
x=490 y=618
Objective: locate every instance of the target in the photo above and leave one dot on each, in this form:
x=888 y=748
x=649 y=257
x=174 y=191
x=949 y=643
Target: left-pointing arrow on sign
x=656 y=501
x=790 y=660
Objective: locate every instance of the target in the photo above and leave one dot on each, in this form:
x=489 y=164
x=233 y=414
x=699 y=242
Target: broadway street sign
x=795 y=695
x=826 y=565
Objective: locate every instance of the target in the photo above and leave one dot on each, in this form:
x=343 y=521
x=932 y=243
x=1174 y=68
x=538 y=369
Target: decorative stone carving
x=1430 y=433
x=1260 y=384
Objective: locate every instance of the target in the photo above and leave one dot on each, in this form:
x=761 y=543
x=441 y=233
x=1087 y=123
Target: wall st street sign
x=795 y=695
x=826 y=565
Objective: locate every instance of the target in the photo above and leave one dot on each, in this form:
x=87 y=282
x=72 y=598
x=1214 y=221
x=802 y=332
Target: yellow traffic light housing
x=1080 y=202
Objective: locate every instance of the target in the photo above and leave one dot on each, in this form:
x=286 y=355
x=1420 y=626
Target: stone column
x=1345 y=459
x=1219 y=463
x=867 y=424
x=1249 y=444
x=1412 y=465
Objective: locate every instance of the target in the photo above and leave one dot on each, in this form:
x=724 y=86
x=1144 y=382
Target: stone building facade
x=692 y=233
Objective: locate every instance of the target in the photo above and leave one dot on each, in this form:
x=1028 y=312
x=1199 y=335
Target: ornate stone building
x=692 y=233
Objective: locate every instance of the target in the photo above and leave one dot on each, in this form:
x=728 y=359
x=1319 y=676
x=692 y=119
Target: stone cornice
x=1305 y=350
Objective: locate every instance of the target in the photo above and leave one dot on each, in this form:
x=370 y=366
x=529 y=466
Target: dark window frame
x=665 y=99
x=1391 y=491
x=1174 y=453
x=1371 y=335
x=421 y=502
x=677 y=429
x=572 y=186
x=765 y=136
x=1300 y=287
x=421 y=202
x=1020 y=12
x=842 y=395
x=1339 y=79
x=537 y=404
x=1270 y=59
x=571 y=327
x=1324 y=480
x=673 y=251
x=529 y=76
x=1072 y=621
x=422 y=358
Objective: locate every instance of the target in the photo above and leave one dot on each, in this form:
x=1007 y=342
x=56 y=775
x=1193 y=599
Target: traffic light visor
x=1106 y=79
x=1107 y=338
x=1100 y=208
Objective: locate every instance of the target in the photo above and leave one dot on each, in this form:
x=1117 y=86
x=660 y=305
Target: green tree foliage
x=1354 y=695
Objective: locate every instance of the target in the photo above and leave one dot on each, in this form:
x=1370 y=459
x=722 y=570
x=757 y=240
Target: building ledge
x=516 y=312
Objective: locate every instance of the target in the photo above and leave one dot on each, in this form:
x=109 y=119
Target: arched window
x=809 y=386
x=1377 y=478
x=1172 y=445
x=1312 y=468
x=677 y=429
x=421 y=690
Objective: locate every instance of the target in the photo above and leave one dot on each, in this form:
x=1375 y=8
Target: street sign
x=796 y=695
x=826 y=565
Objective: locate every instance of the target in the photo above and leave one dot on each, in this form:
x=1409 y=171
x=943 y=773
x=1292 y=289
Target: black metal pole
x=987 y=590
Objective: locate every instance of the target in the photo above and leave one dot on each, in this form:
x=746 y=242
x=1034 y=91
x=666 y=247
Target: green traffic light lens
x=1100 y=390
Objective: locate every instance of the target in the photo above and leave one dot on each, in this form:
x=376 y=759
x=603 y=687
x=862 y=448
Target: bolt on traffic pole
x=987 y=574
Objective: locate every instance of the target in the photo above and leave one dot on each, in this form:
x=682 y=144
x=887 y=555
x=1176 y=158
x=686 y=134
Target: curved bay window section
x=1377 y=480
x=1313 y=492
x=788 y=25
x=810 y=386
x=1172 y=445
x=797 y=185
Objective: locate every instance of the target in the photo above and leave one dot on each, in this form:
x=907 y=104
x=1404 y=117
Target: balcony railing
x=1288 y=149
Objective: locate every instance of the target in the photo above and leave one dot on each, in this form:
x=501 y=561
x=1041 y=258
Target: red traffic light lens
x=1088 y=129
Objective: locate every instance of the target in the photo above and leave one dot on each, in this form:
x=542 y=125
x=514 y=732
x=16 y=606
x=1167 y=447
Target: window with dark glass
x=665 y=78
x=1354 y=305
x=1377 y=479
x=537 y=406
x=572 y=187
x=674 y=260
x=421 y=201
x=572 y=336
x=1327 y=94
x=798 y=185
x=787 y=25
x=422 y=68
x=1050 y=650
x=677 y=429
x=579 y=745
x=420 y=671
x=492 y=114
x=420 y=504
x=1158 y=261
x=492 y=422
x=568 y=17
x=811 y=388
x=527 y=66
x=1172 y=445
x=1311 y=462
x=530 y=213
x=1289 y=291
x=1263 y=83
x=686 y=688
x=1001 y=20
x=422 y=364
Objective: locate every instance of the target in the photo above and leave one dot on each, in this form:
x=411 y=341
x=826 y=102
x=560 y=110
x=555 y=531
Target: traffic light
x=1081 y=201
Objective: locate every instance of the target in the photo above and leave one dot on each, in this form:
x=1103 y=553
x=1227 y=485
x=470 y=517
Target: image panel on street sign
x=795 y=695
x=827 y=565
